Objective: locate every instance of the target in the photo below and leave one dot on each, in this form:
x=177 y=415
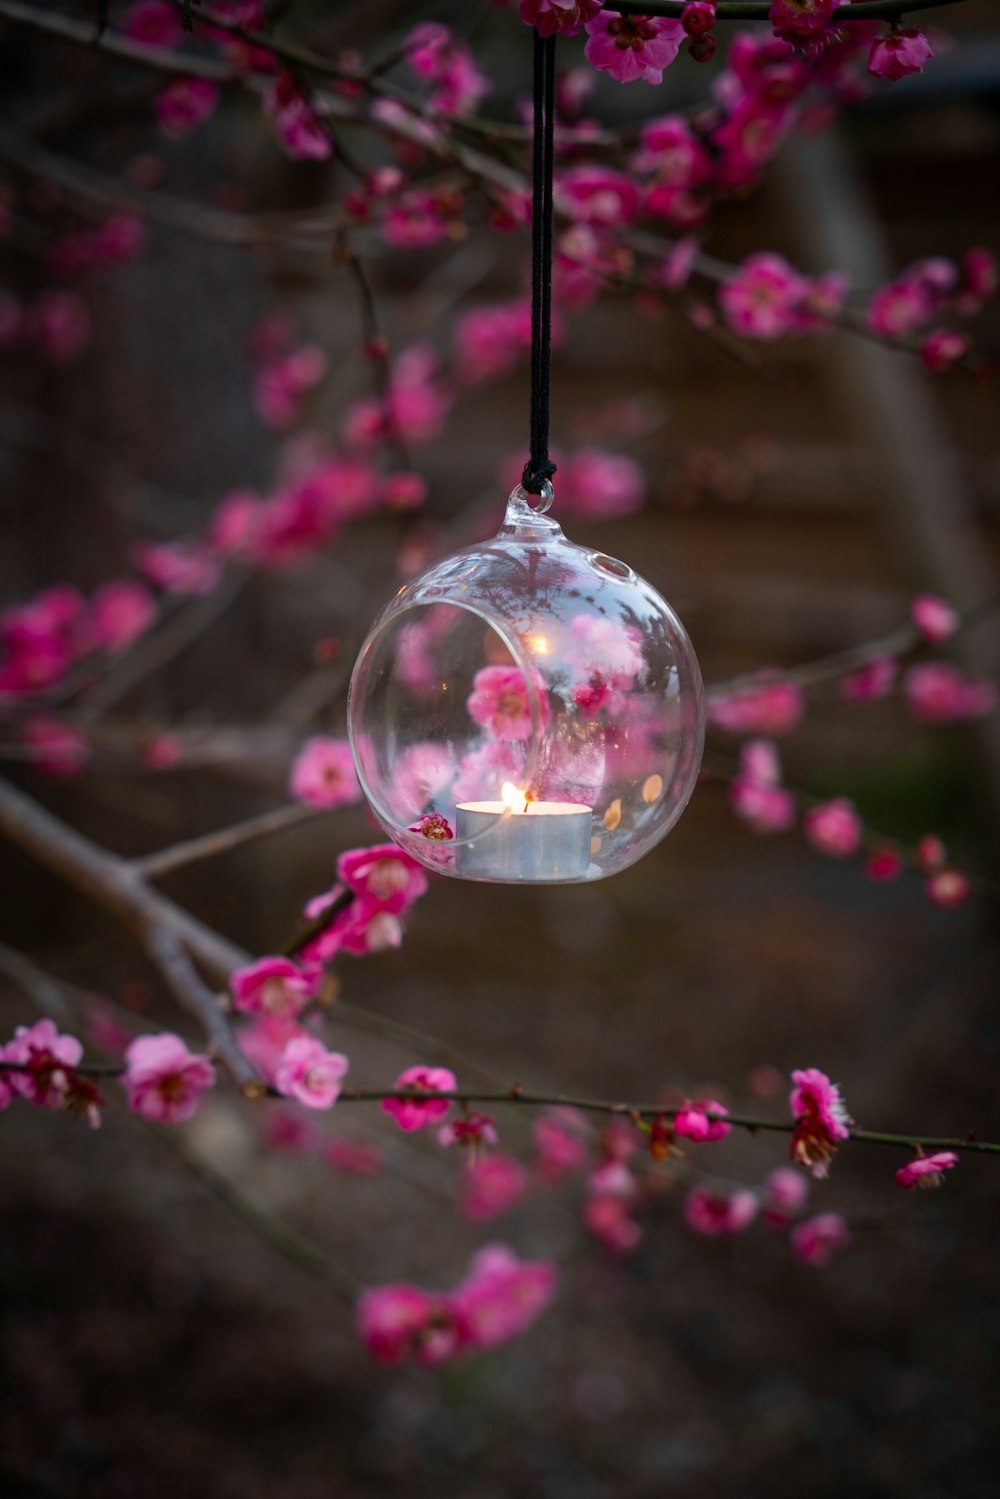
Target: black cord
x=539 y=466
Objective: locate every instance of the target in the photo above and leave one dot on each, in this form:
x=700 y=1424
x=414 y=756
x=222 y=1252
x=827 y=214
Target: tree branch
x=211 y=845
x=759 y=10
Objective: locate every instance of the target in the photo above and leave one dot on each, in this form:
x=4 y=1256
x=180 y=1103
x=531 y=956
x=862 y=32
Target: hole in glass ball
x=610 y=566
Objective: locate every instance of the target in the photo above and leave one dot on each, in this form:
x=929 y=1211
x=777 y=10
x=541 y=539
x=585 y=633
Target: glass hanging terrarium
x=527 y=710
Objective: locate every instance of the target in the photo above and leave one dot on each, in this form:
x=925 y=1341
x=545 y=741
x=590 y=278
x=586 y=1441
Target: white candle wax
x=547 y=841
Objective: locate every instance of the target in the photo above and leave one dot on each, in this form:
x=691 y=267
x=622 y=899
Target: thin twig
x=212 y=845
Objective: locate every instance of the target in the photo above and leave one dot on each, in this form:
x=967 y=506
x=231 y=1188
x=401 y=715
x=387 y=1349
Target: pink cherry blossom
x=671 y=151
x=900 y=308
x=310 y=1074
x=274 y=986
x=415 y=221
x=678 y=263
x=899 y=53
x=491 y=1185
x=560 y=1146
x=607 y=1216
x=360 y=928
x=785 y=1194
x=884 y=864
x=772 y=707
x=163 y=1080
x=6 y=1091
x=793 y=19
x=47 y=1059
x=184 y=568
x=287 y=1131
x=938 y=693
x=471 y=1131
x=600 y=485
x=597 y=195
x=817 y=1240
x=981 y=275
x=323 y=774
x=834 y=828
x=762 y=299
x=120 y=613
x=872 y=682
x=698 y=17
x=489 y=341
x=564 y=16
x=282 y=384
x=299 y=130
x=943 y=348
x=417 y=1113
x=934 y=618
x=352 y=1158
x=264 y=1038
x=185 y=104
x=948 y=888
x=155 y=23
x=392 y=1321
x=926 y=1170
x=821 y=1120
x=441 y=60
x=632 y=47
x=60 y=320
x=766 y=806
x=500 y=701
x=422 y=772
x=383 y=874
x=482 y=773
x=502 y=1296
x=714 y=1213
x=693 y=1122
x=54 y=747
x=930 y=853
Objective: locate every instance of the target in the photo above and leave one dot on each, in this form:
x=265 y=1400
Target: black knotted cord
x=539 y=466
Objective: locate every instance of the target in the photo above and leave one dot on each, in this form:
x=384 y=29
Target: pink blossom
x=57 y=748
x=185 y=104
x=698 y=17
x=361 y=928
x=714 y=1213
x=500 y=701
x=403 y=491
x=899 y=53
x=824 y=298
x=678 y=263
x=943 y=348
x=235 y=528
x=186 y=569
x=489 y=341
x=948 y=888
x=934 y=618
x=632 y=47
x=155 y=23
x=415 y=221
x=299 y=130
x=926 y=1170
x=417 y=1113
x=930 y=853
x=310 y=1074
x=286 y=1130
x=482 y=773
x=323 y=774
x=117 y=239
x=49 y=1060
x=606 y=653
x=872 y=682
x=884 y=864
x=600 y=485
x=163 y=1080
x=937 y=693
x=817 y=1240
x=163 y=751
x=772 y=707
x=793 y=19
x=762 y=299
x=61 y=322
x=981 y=277
x=821 y=1119
x=834 y=828
x=785 y=1193
x=472 y=1131
x=693 y=1121
x=282 y=383
x=491 y=1185
x=559 y=1145
x=900 y=308
x=565 y=16
x=670 y=150
x=383 y=874
x=6 y=1091
x=438 y=58
x=120 y=613
x=263 y=1041
x=502 y=1296
x=761 y=802
x=394 y=1321
x=747 y=139
x=422 y=772
x=608 y=1217
x=274 y=986
x=597 y=195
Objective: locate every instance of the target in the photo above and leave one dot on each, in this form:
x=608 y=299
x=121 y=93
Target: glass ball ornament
x=527 y=710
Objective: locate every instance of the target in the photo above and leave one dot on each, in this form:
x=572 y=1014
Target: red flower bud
x=702 y=48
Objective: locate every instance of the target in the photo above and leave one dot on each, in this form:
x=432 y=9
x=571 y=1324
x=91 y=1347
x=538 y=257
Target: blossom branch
x=212 y=845
x=171 y=935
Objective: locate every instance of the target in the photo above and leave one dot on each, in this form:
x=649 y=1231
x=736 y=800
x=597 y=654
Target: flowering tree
x=398 y=148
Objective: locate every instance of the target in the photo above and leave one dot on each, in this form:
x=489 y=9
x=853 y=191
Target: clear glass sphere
x=527 y=710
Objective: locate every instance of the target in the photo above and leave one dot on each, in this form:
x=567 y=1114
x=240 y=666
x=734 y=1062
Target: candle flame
x=513 y=798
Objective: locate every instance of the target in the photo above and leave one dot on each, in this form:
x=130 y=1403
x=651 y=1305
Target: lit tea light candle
x=516 y=839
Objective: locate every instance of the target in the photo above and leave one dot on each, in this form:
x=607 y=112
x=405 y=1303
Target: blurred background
x=152 y=1342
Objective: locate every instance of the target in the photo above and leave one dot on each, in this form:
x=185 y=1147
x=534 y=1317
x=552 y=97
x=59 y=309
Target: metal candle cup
x=547 y=841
